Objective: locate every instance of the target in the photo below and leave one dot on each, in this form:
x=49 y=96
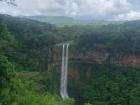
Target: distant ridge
x=63 y=20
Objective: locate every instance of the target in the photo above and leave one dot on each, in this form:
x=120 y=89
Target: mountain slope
x=63 y=20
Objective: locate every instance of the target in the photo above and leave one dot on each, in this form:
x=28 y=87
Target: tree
x=87 y=104
x=6 y=80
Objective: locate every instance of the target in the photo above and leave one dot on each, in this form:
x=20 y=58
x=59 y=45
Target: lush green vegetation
x=34 y=42
x=29 y=76
x=105 y=84
x=123 y=38
x=13 y=89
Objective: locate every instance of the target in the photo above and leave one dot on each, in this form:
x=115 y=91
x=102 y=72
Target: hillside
x=68 y=21
x=21 y=50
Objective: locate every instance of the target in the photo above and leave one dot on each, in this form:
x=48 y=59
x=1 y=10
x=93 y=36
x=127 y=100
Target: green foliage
x=6 y=81
x=30 y=94
x=22 y=51
x=39 y=88
x=121 y=39
x=106 y=85
x=52 y=80
x=7 y=41
x=34 y=42
x=69 y=101
x=87 y=104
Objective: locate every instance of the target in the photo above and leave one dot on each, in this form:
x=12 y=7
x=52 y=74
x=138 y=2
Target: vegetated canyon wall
x=99 y=57
x=128 y=60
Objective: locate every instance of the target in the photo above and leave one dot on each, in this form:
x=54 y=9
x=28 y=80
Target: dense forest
x=30 y=63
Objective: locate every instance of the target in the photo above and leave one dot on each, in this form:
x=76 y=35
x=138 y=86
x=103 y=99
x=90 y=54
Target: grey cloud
x=99 y=9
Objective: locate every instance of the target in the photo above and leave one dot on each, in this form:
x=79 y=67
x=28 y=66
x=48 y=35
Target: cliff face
x=93 y=56
x=99 y=57
x=129 y=60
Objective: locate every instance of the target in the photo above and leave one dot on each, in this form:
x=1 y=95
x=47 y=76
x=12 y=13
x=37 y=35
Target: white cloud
x=99 y=9
x=132 y=15
x=103 y=7
x=6 y=9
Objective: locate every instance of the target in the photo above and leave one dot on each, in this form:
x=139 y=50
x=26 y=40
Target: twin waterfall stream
x=64 y=72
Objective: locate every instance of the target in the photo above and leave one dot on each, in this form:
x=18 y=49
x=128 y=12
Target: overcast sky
x=97 y=9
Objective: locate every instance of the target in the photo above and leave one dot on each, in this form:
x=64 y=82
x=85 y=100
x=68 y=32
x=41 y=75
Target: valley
x=103 y=64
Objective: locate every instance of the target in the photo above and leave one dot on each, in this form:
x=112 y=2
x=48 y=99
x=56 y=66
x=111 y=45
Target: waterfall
x=64 y=71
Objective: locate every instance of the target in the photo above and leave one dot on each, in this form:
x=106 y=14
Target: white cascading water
x=64 y=71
